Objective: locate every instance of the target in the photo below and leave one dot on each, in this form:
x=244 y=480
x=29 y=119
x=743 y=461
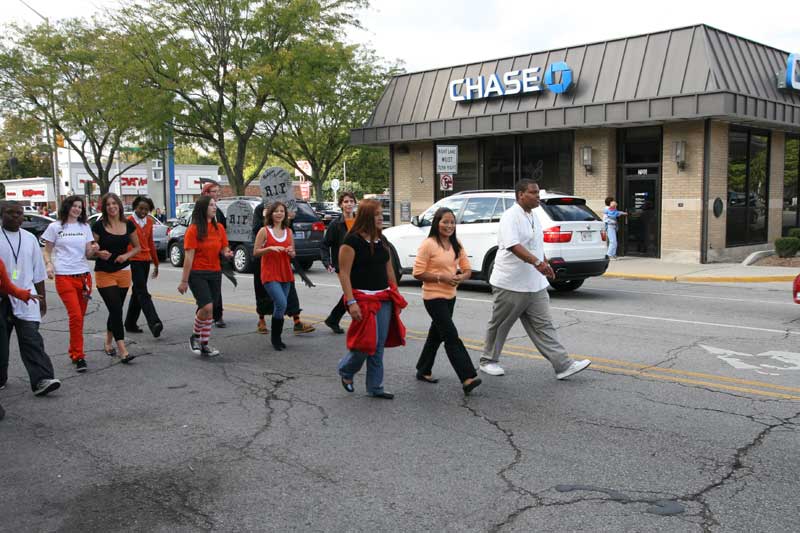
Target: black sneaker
x=156 y=330
x=46 y=386
x=134 y=329
x=80 y=365
x=194 y=342
x=220 y=323
x=336 y=328
x=2 y=412
x=208 y=351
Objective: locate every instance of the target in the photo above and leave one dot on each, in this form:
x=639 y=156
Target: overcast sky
x=434 y=33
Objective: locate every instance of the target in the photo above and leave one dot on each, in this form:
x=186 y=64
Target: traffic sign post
x=334 y=185
x=445 y=182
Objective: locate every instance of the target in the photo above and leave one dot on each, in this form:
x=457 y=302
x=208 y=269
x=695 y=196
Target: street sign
x=334 y=185
x=445 y=182
x=446 y=159
x=304 y=170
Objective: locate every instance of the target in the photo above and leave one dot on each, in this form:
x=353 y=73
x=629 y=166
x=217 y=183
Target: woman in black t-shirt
x=365 y=271
x=113 y=234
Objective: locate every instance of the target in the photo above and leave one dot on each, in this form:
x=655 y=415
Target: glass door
x=641 y=229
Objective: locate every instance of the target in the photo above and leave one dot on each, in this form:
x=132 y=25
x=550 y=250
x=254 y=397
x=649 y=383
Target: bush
x=787 y=246
x=794 y=232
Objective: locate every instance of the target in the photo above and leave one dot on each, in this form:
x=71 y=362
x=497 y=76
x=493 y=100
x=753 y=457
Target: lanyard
x=19 y=245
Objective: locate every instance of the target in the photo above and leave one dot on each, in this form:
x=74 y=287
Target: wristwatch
x=537 y=263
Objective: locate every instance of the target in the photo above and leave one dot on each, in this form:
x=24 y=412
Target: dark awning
x=686 y=73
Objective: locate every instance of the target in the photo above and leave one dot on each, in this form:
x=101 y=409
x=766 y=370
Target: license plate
x=586 y=236
x=299 y=235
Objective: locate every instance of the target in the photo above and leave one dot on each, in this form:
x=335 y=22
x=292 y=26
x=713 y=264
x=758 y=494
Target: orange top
x=7 y=287
x=206 y=255
x=146 y=242
x=277 y=266
x=434 y=259
x=349 y=223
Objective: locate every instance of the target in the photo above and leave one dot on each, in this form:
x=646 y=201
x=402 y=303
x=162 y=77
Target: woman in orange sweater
x=442 y=264
x=141 y=302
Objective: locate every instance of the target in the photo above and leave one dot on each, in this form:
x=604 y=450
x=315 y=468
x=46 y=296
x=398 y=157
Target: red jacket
x=362 y=335
x=146 y=242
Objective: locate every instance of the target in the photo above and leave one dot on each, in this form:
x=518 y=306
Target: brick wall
x=602 y=181
x=718 y=188
x=407 y=171
x=681 y=193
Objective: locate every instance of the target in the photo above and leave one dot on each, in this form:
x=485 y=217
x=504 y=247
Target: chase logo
x=566 y=77
x=793 y=72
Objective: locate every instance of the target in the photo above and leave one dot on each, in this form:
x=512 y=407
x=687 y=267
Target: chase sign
x=519 y=81
x=792 y=78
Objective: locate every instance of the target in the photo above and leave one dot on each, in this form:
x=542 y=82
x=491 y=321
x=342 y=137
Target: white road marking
x=791 y=360
x=681 y=295
x=592 y=312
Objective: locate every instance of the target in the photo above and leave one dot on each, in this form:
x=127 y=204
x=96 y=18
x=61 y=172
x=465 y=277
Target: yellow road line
x=526 y=352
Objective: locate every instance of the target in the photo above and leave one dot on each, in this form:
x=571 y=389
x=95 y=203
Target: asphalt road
x=687 y=420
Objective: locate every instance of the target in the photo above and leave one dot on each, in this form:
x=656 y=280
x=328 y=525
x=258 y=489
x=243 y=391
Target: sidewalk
x=655 y=269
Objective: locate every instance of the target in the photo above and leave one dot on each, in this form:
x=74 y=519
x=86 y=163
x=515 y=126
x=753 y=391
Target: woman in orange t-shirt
x=203 y=243
x=275 y=246
x=442 y=264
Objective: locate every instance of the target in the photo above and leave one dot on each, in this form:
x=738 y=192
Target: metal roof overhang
x=721 y=105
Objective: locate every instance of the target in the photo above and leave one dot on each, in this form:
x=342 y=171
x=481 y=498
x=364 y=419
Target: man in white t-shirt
x=519 y=285
x=20 y=252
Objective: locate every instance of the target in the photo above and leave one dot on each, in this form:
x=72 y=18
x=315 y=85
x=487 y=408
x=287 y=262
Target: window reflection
x=791 y=178
x=748 y=187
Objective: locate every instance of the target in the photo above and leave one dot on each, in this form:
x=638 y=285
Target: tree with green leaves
x=234 y=67
x=22 y=151
x=76 y=78
x=344 y=86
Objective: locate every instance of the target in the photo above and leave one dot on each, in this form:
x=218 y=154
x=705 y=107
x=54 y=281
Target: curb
x=700 y=279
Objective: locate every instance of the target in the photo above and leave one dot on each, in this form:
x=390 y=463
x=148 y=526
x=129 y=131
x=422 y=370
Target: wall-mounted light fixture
x=586 y=158
x=679 y=154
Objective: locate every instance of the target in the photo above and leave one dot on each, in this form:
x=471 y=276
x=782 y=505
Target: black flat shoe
x=336 y=328
x=134 y=329
x=111 y=353
x=156 y=330
x=423 y=377
x=384 y=395
x=347 y=386
x=127 y=359
x=474 y=383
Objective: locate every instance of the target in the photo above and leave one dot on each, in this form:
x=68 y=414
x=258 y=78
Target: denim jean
x=352 y=362
x=612 y=240
x=279 y=292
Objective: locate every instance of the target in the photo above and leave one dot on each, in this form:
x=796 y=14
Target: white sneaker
x=574 y=368
x=46 y=386
x=493 y=369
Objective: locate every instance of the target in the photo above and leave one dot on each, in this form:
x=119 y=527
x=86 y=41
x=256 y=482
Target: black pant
x=114 y=297
x=443 y=330
x=337 y=312
x=31 y=347
x=218 y=307
x=264 y=302
x=141 y=302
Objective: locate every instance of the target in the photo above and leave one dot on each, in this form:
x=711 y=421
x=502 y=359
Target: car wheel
x=489 y=269
x=242 y=261
x=398 y=272
x=566 y=285
x=306 y=264
x=176 y=255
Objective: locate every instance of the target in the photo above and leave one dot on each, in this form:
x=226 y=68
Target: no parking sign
x=445 y=182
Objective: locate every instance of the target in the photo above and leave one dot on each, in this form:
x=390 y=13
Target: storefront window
x=547 y=158
x=791 y=183
x=467 y=177
x=748 y=187
x=499 y=163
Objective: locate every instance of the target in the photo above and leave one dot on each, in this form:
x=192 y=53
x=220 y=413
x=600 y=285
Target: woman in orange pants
x=68 y=242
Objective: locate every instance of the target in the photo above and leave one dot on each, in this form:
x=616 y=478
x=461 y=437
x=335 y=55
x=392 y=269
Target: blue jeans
x=279 y=292
x=612 y=240
x=352 y=362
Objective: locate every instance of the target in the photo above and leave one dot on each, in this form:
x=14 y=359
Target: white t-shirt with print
x=510 y=272
x=69 y=246
x=27 y=266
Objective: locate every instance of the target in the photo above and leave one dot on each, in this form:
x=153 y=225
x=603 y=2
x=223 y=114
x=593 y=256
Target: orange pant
x=74 y=292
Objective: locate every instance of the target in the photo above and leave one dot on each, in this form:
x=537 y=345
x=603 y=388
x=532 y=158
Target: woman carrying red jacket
x=370 y=293
x=141 y=301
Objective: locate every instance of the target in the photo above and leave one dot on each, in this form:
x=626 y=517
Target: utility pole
x=51 y=139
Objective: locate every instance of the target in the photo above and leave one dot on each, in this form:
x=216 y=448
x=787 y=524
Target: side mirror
x=415 y=220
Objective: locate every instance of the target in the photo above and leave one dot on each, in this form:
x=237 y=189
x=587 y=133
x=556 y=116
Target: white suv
x=574 y=236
